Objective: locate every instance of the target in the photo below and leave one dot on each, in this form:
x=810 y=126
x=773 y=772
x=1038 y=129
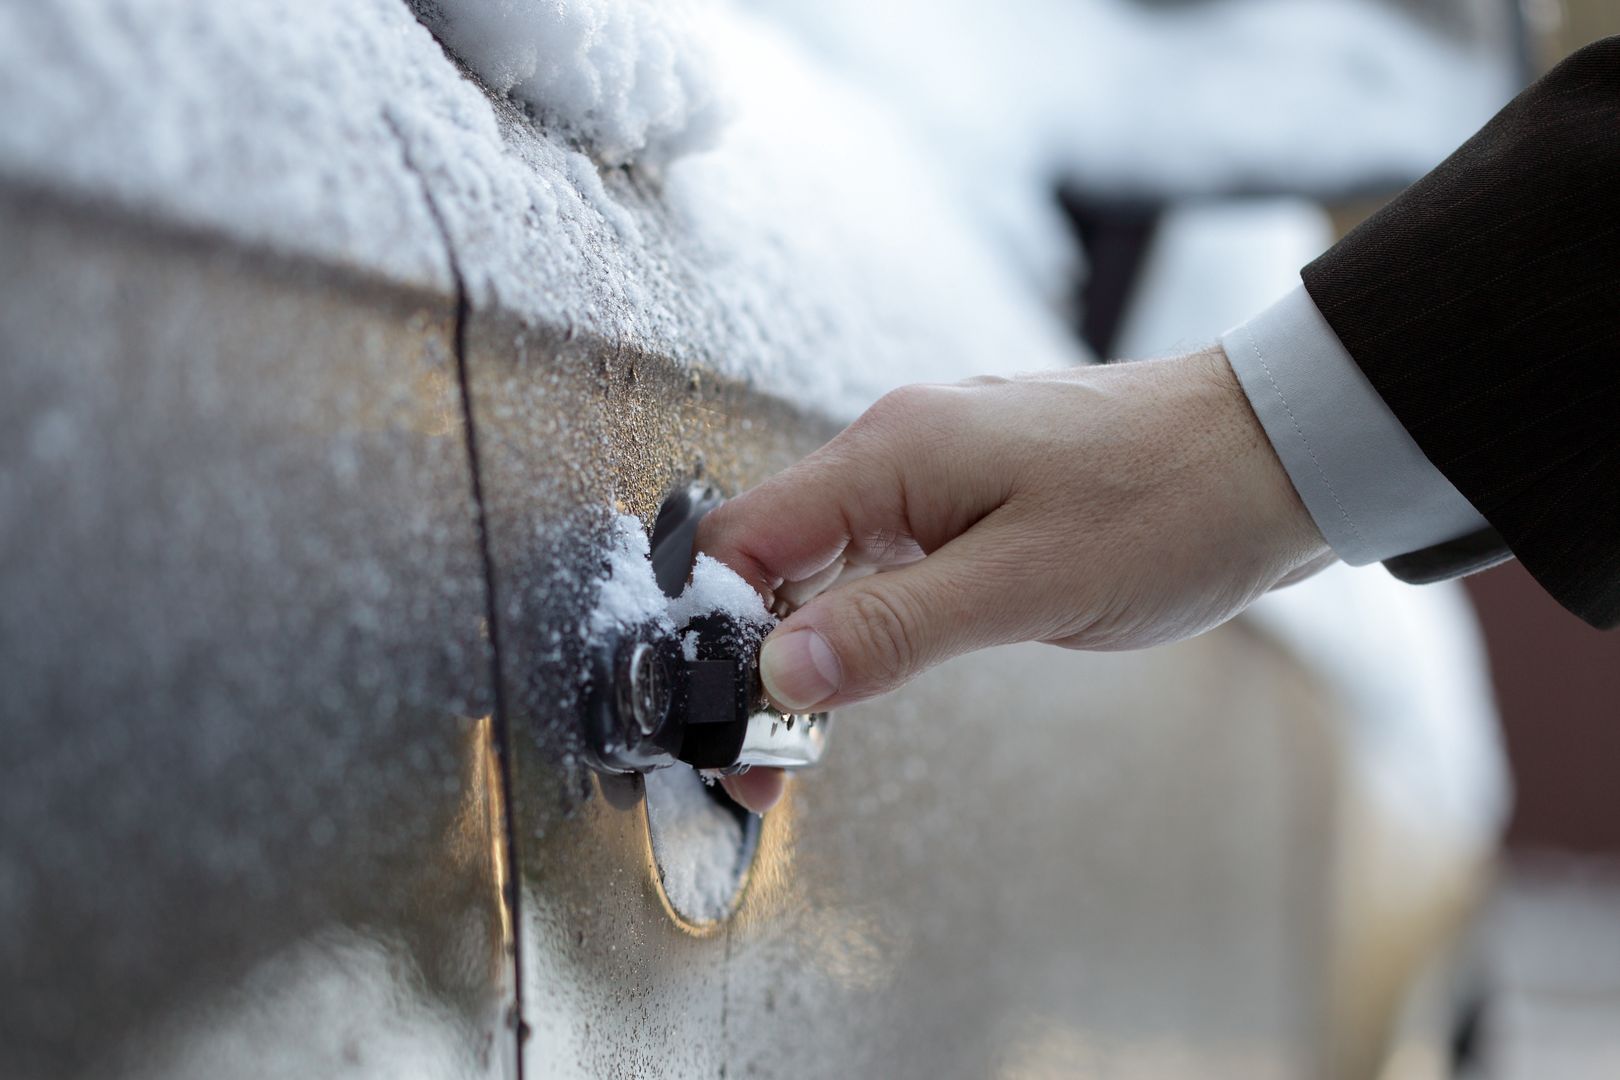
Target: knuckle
x=883 y=630
x=899 y=407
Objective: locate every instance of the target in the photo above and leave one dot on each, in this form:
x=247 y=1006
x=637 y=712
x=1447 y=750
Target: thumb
x=871 y=635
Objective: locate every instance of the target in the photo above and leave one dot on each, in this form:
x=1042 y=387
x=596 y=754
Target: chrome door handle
x=693 y=695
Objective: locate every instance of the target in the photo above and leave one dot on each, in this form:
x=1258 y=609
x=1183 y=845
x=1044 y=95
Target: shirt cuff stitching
x=1309 y=449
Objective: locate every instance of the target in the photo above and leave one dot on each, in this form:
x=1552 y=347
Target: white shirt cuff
x=1367 y=485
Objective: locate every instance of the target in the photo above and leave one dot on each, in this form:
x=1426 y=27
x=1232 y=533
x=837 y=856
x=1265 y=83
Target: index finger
x=801 y=522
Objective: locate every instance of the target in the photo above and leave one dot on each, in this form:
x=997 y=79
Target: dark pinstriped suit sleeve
x=1484 y=306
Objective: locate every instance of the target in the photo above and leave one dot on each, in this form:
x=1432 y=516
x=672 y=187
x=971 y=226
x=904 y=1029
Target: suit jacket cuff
x=1367 y=485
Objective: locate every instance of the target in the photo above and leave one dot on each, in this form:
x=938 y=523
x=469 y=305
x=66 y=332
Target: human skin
x=1104 y=508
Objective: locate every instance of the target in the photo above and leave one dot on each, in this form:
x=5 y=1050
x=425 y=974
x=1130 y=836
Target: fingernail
x=799 y=669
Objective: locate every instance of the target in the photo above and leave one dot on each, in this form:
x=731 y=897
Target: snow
x=876 y=210
x=825 y=266
x=1122 y=96
x=629 y=595
x=264 y=120
x=1211 y=265
x=716 y=587
x=628 y=80
x=700 y=846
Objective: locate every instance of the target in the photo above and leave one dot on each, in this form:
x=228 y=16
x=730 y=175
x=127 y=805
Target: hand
x=1097 y=508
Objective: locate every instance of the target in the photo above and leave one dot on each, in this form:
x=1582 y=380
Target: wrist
x=1277 y=518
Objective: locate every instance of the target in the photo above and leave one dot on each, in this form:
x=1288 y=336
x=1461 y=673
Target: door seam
x=503 y=734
